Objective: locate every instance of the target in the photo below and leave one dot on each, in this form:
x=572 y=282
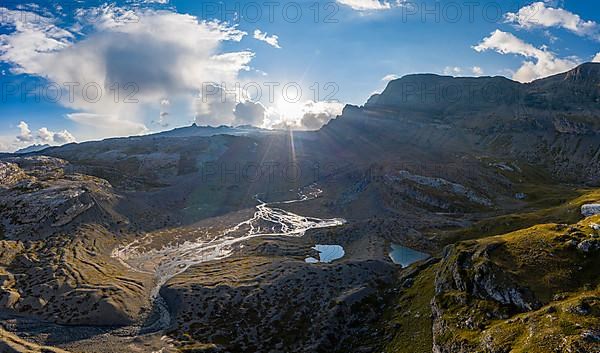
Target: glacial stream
x=268 y=220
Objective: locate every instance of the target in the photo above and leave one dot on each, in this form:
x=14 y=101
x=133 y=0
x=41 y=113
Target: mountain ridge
x=552 y=121
x=429 y=89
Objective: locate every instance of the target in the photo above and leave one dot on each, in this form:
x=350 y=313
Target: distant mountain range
x=195 y=130
x=32 y=148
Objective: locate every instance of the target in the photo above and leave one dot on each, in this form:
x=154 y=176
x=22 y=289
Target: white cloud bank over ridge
x=51 y=137
x=43 y=136
x=452 y=70
x=538 y=15
x=541 y=62
x=477 y=71
x=309 y=115
x=317 y=114
x=459 y=71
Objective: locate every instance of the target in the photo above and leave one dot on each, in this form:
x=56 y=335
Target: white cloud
x=33 y=35
x=554 y=3
x=544 y=62
x=457 y=70
x=216 y=105
x=164 y=114
x=452 y=70
x=162 y=119
x=538 y=15
x=596 y=58
x=105 y=16
x=119 y=49
x=366 y=5
x=307 y=115
x=249 y=113
x=4 y=145
x=107 y=125
x=63 y=136
x=232 y=106
x=272 y=40
x=317 y=115
x=24 y=132
x=390 y=77
x=43 y=136
x=49 y=137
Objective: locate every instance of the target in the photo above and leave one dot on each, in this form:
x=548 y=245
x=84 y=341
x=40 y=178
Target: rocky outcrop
x=565 y=126
x=442 y=185
x=471 y=271
x=38 y=197
x=10 y=174
x=589 y=245
x=492 y=293
x=590 y=209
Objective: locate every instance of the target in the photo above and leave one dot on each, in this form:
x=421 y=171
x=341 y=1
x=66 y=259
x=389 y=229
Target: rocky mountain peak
x=585 y=72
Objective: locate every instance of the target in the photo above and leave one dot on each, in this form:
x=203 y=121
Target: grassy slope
x=412 y=316
x=556 y=204
x=527 y=251
x=560 y=276
x=552 y=327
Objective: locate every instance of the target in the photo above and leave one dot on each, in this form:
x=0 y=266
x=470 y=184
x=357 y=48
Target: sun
x=289 y=112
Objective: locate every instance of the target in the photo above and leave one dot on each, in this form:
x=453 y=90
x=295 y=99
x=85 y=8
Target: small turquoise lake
x=404 y=256
x=327 y=253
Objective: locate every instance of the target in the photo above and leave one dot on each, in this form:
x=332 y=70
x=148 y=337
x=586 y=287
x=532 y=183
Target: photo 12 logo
x=458 y=11
x=271 y=11
x=271 y=92
x=52 y=92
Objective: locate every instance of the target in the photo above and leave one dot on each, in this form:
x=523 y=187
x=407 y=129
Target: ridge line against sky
x=80 y=71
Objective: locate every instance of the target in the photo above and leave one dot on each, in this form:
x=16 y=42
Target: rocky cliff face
x=552 y=122
x=38 y=198
x=469 y=102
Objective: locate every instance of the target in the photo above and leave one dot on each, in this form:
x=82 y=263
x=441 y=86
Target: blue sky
x=160 y=64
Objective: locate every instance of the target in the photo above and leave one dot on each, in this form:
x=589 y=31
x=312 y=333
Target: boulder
x=590 y=209
x=589 y=245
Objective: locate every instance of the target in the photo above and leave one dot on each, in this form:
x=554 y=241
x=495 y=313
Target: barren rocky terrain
x=167 y=242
